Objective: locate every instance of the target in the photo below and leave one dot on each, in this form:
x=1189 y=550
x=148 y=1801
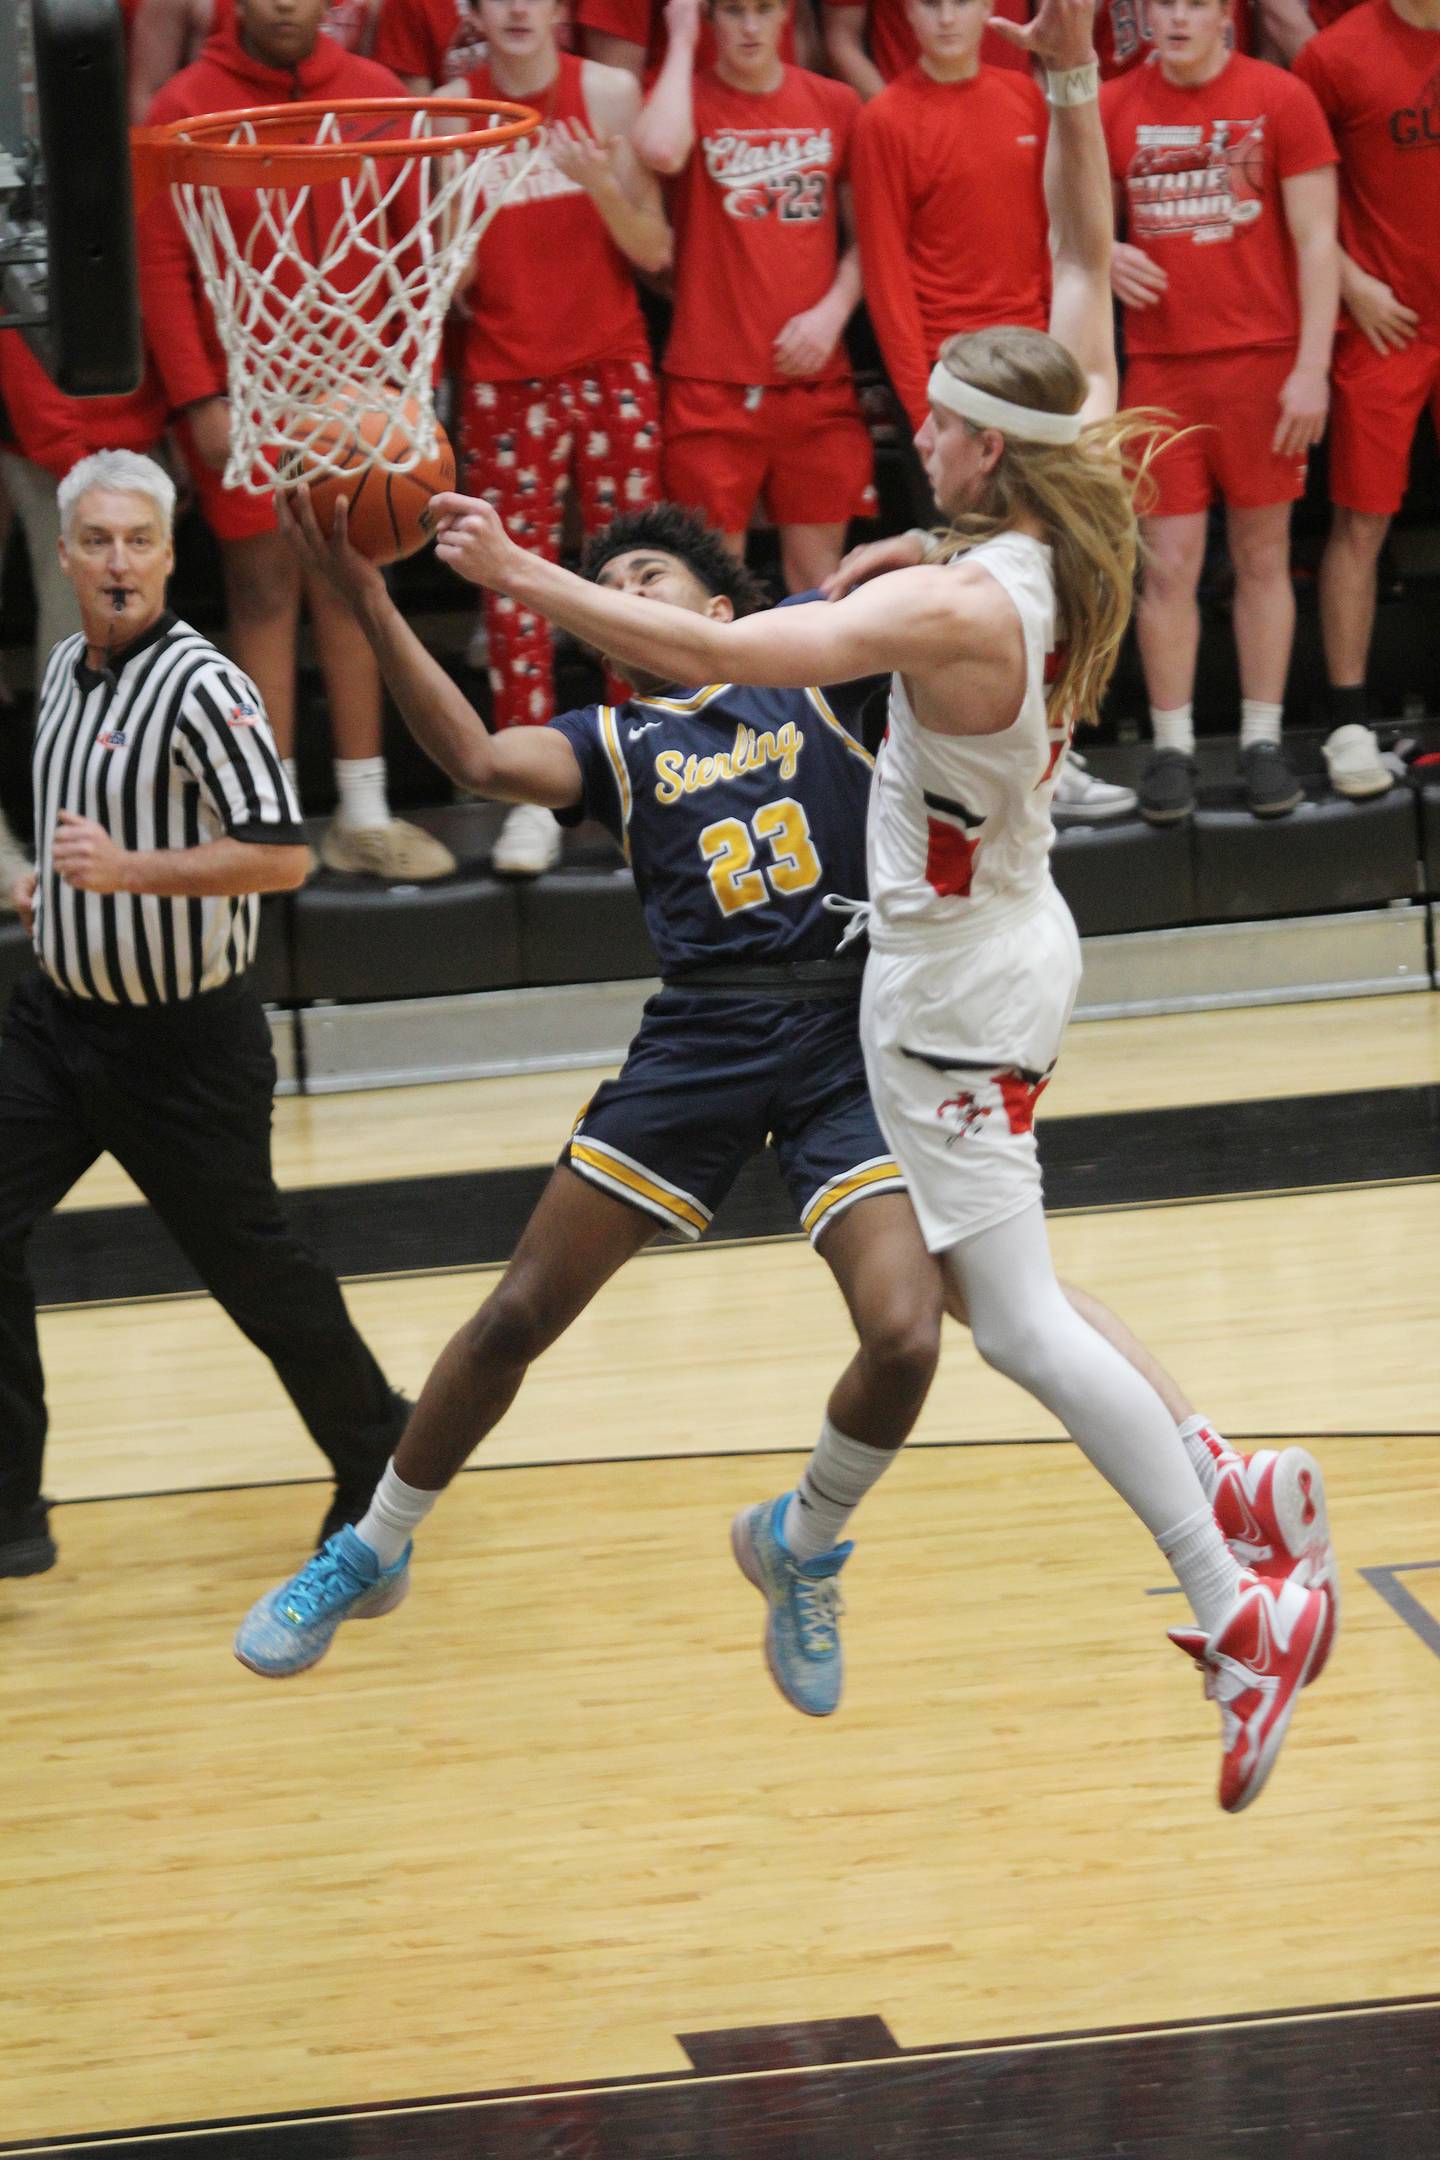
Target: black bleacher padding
x=1330 y=855
x=17 y=956
x=583 y=926
x=1428 y=803
x=271 y=973
x=1127 y=876
x=356 y=939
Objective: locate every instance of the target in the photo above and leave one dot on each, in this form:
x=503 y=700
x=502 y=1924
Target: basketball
x=389 y=511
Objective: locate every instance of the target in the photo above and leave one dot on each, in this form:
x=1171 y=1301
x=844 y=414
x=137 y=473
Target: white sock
x=1202 y=1460
x=360 y=784
x=833 y=1483
x=1205 y=1568
x=1174 y=727
x=1259 y=722
x=395 y=1510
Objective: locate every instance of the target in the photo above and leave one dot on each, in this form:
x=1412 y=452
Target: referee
x=162 y=812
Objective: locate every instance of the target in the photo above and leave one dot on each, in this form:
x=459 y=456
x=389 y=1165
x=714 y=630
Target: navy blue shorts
x=709 y=1079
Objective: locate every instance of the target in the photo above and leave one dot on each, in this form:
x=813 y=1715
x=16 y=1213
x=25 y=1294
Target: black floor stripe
x=473 y=1218
x=1353 y=2082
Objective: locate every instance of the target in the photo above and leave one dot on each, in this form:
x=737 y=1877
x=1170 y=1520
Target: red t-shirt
x=950 y=209
x=1378 y=81
x=439 y=39
x=757 y=225
x=550 y=291
x=642 y=22
x=1202 y=171
x=1325 y=12
x=890 y=41
x=1122 y=34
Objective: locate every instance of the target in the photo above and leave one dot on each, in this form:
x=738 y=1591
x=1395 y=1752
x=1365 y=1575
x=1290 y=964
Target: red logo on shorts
x=969 y=1115
x=1020 y=1096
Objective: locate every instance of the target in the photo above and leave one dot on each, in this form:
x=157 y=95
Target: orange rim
x=187 y=151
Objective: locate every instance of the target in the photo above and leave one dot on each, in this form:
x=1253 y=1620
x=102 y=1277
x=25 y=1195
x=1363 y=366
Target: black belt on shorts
x=776 y=978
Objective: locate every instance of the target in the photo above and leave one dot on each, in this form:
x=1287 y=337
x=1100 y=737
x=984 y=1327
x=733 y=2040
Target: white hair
x=124 y=470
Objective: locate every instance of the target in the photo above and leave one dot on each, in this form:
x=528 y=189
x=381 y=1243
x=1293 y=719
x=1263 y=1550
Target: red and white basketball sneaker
x=1271 y=1510
x=1255 y=1665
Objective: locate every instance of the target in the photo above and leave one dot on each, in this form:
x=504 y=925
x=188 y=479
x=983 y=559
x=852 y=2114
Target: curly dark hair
x=673 y=531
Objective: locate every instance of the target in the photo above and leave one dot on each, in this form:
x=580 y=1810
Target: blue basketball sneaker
x=802 y=1634
x=292 y=1626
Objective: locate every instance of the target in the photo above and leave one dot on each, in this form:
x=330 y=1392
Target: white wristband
x=1073 y=86
x=923 y=535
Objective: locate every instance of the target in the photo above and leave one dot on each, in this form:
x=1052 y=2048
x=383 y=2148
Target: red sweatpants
x=525 y=444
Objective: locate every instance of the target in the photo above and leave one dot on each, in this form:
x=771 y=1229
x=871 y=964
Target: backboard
x=67 y=241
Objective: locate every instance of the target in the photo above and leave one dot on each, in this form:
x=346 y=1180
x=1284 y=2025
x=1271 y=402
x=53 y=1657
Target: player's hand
x=902 y=551
x=210 y=431
x=1304 y=405
x=22 y=899
x=85 y=855
x=330 y=555
x=589 y=160
x=682 y=21
x=806 y=341
x=1136 y=279
x=1061 y=36
x=472 y=540
x=1387 y=322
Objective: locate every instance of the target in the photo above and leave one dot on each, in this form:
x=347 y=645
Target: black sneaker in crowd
x=1271 y=789
x=1167 y=787
x=26 y=1546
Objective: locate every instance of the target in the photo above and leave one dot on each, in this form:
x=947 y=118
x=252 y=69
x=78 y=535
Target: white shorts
x=959 y=1041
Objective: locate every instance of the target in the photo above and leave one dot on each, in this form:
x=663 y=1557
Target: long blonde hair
x=1083 y=497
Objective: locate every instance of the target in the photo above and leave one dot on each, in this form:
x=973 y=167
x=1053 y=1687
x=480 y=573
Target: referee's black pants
x=181 y=1096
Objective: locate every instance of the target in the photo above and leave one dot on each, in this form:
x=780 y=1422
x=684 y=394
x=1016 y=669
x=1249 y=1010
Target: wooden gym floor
x=542 y=1865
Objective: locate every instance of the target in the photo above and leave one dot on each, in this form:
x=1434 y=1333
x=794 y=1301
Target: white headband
x=1027 y=423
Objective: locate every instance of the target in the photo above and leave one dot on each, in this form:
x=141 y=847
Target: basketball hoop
x=331 y=239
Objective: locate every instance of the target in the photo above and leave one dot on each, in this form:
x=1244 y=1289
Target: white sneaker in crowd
x=1356 y=768
x=529 y=843
x=399 y=852
x=1082 y=798
x=14 y=863
x=477 y=650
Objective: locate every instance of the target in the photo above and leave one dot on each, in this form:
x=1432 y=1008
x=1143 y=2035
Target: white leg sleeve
x=1025 y=1327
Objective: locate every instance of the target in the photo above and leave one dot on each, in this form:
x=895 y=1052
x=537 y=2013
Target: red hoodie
x=179 y=326
x=56 y=431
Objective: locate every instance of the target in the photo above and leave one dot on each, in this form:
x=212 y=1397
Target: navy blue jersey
x=738 y=811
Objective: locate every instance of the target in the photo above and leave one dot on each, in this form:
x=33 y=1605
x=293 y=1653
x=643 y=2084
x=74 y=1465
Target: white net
x=340 y=287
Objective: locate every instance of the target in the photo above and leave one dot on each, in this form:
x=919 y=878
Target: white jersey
x=959 y=825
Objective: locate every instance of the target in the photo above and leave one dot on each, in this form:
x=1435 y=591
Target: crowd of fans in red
x=767 y=168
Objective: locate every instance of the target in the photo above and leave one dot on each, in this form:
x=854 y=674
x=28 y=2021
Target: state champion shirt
x=1202 y=169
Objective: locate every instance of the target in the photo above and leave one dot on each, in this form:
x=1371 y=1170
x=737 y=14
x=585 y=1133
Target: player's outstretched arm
x=534 y=765
x=1077 y=192
x=664 y=134
x=912 y=620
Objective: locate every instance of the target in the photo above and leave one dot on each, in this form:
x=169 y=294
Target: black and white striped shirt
x=166 y=748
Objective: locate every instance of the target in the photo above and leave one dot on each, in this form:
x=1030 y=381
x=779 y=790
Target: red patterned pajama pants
x=525 y=445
